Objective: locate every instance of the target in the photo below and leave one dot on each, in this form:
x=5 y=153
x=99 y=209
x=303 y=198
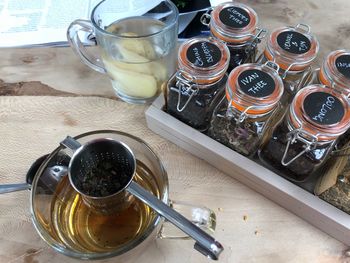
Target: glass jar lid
x=254 y=88
x=335 y=71
x=320 y=113
x=292 y=48
x=203 y=60
x=233 y=22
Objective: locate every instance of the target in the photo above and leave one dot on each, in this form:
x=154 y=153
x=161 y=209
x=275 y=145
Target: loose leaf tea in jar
x=293 y=49
x=301 y=143
x=195 y=89
x=236 y=25
x=242 y=117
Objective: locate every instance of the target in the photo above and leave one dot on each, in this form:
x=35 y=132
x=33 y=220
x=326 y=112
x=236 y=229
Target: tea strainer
x=95 y=153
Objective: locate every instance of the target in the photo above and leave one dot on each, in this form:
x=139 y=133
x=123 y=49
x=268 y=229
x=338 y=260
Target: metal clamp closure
x=303 y=27
x=185 y=86
x=273 y=65
x=256 y=39
x=301 y=136
x=230 y=113
x=205 y=18
x=288 y=71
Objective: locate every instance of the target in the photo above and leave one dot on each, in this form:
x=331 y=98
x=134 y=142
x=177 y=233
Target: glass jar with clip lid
x=303 y=141
x=194 y=90
x=242 y=118
x=236 y=25
x=293 y=49
x=335 y=73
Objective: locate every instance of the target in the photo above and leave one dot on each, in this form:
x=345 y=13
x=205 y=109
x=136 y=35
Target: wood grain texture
x=32 y=126
x=252 y=228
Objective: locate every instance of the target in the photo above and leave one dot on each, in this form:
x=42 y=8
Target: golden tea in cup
x=75 y=228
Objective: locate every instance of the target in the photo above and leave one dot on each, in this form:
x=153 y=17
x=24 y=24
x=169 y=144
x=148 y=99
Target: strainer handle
x=8 y=188
x=71 y=143
x=205 y=243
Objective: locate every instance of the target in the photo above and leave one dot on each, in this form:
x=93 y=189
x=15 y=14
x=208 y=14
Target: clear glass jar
x=293 y=49
x=236 y=25
x=335 y=71
x=301 y=143
x=194 y=90
x=242 y=117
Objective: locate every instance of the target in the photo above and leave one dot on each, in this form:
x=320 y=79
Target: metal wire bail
x=296 y=135
x=287 y=70
x=304 y=27
x=273 y=65
x=205 y=18
x=256 y=39
x=230 y=112
x=185 y=86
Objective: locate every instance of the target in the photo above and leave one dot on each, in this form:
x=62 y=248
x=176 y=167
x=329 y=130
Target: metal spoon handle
x=8 y=188
x=205 y=243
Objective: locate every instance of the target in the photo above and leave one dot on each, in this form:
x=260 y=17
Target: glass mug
x=137 y=45
x=71 y=227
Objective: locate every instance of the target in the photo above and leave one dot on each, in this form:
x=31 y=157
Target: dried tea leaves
x=103 y=180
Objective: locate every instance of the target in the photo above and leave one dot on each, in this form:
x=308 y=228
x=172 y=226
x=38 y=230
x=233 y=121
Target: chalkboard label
x=343 y=65
x=293 y=42
x=203 y=54
x=235 y=17
x=323 y=108
x=256 y=83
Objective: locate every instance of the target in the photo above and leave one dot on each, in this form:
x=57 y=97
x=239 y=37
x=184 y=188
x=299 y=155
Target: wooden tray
x=292 y=197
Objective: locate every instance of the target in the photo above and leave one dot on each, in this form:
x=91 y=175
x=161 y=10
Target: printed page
x=38 y=22
x=45 y=22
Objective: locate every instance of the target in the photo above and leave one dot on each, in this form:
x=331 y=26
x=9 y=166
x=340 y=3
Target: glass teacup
x=137 y=44
x=71 y=227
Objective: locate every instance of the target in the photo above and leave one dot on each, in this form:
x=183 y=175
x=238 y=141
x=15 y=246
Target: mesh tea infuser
x=91 y=155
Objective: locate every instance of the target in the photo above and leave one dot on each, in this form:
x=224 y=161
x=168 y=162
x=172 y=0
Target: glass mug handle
x=89 y=59
x=202 y=217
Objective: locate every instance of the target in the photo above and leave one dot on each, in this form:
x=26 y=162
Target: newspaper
x=45 y=22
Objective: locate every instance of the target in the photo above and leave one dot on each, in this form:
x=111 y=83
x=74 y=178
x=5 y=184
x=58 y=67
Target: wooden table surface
x=47 y=93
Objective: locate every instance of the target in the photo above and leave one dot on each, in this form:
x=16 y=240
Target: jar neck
x=292 y=48
x=185 y=78
x=304 y=134
x=233 y=23
x=253 y=109
x=319 y=113
x=203 y=60
x=254 y=88
x=330 y=76
x=232 y=39
x=288 y=66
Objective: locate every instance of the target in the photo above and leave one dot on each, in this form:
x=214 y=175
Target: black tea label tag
x=256 y=83
x=343 y=65
x=235 y=17
x=203 y=54
x=323 y=108
x=293 y=42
